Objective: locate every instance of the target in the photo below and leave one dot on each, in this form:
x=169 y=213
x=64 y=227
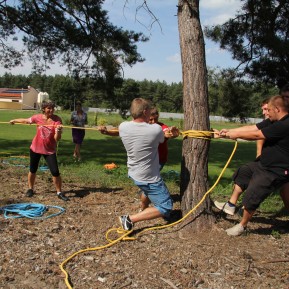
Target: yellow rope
x=201 y=134
x=86 y=250
x=67 y=126
x=198 y=134
x=125 y=234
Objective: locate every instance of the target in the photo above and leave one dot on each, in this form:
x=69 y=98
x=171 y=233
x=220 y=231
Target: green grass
x=99 y=149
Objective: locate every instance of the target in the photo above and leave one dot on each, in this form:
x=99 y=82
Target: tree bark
x=194 y=170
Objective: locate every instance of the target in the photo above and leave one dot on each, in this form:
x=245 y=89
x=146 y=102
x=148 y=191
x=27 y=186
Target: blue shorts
x=158 y=194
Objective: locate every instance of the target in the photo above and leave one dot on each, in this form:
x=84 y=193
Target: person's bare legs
x=247 y=216
x=147 y=214
x=76 y=153
x=237 y=191
x=31 y=180
x=285 y=195
x=145 y=201
x=57 y=183
x=239 y=229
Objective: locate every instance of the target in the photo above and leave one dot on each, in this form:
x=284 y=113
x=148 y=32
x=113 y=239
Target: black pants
x=258 y=183
x=51 y=161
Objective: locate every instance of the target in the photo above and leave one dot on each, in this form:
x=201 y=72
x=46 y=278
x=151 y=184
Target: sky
x=162 y=51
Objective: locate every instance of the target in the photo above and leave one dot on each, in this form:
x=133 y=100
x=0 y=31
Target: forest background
x=228 y=97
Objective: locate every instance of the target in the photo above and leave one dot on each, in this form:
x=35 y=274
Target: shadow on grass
x=221 y=150
x=111 y=149
x=81 y=193
x=277 y=225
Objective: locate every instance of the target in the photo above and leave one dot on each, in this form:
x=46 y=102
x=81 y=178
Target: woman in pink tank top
x=48 y=133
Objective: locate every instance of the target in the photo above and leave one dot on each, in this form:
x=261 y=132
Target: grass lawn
x=98 y=150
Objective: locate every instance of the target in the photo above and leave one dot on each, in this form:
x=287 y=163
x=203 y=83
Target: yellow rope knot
x=202 y=134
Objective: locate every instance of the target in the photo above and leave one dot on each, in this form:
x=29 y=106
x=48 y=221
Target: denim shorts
x=158 y=194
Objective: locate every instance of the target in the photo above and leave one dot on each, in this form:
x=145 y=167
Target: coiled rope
x=202 y=134
x=125 y=234
x=29 y=210
x=8 y=160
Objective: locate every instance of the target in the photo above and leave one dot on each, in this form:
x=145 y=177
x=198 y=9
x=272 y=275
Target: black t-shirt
x=275 y=152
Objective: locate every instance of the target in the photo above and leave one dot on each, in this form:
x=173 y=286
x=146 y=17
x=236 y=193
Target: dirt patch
x=31 y=250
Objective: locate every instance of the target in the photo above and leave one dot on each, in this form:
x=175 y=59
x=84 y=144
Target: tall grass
x=99 y=149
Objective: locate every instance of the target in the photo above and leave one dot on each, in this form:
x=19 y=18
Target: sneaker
x=29 y=193
x=225 y=207
x=62 y=197
x=126 y=223
x=237 y=230
x=167 y=219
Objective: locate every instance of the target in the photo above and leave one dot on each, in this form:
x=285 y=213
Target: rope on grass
x=29 y=210
x=125 y=234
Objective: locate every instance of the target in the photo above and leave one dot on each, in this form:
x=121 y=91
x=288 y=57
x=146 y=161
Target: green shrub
x=101 y=121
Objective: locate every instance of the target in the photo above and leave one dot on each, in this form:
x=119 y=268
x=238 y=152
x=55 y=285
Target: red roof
x=12 y=92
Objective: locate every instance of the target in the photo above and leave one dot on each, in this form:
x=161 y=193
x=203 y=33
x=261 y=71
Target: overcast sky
x=162 y=51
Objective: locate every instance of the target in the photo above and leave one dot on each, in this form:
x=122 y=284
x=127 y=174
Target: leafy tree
x=175 y=92
x=160 y=95
x=37 y=81
x=214 y=79
x=47 y=83
x=62 y=91
x=76 y=33
x=235 y=97
x=258 y=37
x=8 y=80
x=125 y=95
x=147 y=89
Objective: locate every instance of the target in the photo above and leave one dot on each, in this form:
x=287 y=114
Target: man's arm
x=246 y=135
x=259 y=146
x=103 y=130
x=171 y=132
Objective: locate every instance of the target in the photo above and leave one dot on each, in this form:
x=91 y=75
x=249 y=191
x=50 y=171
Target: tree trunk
x=194 y=171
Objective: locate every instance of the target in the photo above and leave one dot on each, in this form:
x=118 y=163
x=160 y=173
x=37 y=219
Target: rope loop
x=29 y=210
x=201 y=134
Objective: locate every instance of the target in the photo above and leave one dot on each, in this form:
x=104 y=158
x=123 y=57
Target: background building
x=20 y=98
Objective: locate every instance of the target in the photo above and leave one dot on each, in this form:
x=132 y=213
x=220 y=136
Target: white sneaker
x=225 y=207
x=237 y=230
x=126 y=222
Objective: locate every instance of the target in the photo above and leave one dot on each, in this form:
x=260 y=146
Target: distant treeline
x=227 y=97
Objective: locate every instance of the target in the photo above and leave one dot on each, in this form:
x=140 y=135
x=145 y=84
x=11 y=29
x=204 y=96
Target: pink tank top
x=44 y=142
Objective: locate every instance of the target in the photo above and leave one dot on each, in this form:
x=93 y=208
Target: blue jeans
x=158 y=194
